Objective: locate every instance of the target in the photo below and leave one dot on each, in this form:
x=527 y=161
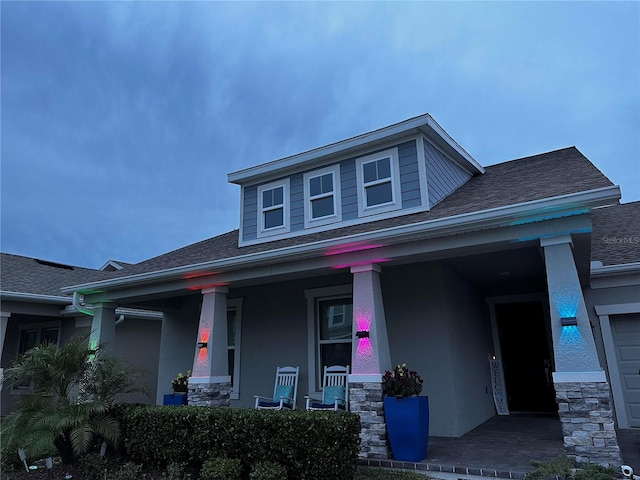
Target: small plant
x=561 y=467
x=181 y=382
x=221 y=469
x=402 y=382
x=266 y=470
x=174 y=471
x=92 y=466
x=591 y=471
x=128 y=471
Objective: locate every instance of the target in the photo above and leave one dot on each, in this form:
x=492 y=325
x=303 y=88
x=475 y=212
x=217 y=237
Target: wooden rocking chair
x=335 y=390
x=285 y=390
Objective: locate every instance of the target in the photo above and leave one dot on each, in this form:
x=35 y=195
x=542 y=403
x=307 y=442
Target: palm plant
x=72 y=388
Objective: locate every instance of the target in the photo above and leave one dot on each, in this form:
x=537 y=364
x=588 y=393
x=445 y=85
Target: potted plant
x=406 y=413
x=180 y=386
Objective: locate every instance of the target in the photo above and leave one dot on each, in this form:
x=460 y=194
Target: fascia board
x=34 y=298
x=527 y=212
x=424 y=123
x=611 y=270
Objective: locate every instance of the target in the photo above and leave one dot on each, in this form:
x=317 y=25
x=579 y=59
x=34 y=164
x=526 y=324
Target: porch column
x=103 y=327
x=370 y=357
x=210 y=383
x=582 y=390
x=4 y=319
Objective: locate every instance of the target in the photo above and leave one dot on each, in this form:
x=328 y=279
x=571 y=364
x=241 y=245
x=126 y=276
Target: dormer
x=404 y=168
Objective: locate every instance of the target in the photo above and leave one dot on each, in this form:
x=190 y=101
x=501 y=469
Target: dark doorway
x=526 y=357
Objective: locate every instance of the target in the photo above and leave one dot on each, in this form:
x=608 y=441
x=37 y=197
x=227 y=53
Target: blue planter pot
x=407 y=427
x=175 y=399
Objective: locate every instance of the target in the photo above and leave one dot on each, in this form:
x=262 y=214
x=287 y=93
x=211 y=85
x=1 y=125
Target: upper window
x=378 y=178
x=322 y=196
x=273 y=208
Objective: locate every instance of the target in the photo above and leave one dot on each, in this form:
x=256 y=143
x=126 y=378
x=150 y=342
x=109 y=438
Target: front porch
x=502 y=447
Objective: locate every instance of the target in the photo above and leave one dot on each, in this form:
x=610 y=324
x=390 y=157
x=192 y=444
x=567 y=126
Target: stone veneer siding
x=587 y=422
x=365 y=399
x=210 y=394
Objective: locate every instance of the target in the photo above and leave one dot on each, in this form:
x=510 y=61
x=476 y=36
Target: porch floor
x=502 y=447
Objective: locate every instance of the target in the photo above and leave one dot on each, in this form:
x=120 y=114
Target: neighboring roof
x=616 y=234
x=552 y=174
x=26 y=275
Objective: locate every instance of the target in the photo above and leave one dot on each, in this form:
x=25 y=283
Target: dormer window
x=322 y=196
x=273 y=205
x=378 y=183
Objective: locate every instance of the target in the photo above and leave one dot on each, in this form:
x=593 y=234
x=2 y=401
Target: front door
x=526 y=357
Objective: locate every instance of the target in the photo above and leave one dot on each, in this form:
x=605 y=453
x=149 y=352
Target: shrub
x=266 y=470
x=174 y=471
x=221 y=469
x=92 y=466
x=595 y=472
x=128 y=471
x=310 y=445
x=561 y=466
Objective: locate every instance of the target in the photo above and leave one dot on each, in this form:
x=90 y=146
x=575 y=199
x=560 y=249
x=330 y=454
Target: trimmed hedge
x=310 y=445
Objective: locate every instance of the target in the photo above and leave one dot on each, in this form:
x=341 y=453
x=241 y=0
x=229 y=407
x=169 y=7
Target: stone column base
x=587 y=422
x=210 y=394
x=365 y=399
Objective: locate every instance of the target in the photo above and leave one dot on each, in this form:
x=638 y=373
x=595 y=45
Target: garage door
x=625 y=332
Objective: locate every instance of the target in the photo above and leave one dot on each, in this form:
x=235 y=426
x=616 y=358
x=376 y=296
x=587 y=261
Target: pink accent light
x=352 y=247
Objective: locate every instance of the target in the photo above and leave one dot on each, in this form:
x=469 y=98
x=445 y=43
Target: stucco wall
x=439 y=326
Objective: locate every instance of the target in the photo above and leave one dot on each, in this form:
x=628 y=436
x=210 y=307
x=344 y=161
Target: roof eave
x=34 y=298
x=424 y=123
x=501 y=216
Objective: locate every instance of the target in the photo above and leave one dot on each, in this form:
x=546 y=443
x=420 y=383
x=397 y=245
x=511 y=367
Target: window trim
x=284 y=228
x=236 y=304
x=396 y=194
x=313 y=297
x=309 y=221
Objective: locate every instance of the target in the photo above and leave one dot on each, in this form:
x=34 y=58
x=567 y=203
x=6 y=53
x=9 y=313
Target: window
x=378 y=178
x=330 y=320
x=322 y=196
x=234 y=315
x=273 y=207
x=33 y=335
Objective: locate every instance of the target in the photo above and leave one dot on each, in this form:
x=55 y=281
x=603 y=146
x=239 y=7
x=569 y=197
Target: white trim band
x=579 y=377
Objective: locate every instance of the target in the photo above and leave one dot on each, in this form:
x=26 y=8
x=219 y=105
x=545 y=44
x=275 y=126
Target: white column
x=210 y=362
x=574 y=347
x=370 y=355
x=103 y=327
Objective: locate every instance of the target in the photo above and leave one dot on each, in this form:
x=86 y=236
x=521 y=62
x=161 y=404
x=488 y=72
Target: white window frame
x=236 y=304
x=40 y=326
x=396 y=200
x=284 y=228
x=309 y=221
x=314 y=296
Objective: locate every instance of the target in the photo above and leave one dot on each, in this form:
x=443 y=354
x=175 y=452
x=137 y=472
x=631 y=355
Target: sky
x=120 y=120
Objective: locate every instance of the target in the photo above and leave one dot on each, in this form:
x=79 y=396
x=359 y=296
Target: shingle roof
x=541 y=176
x=40 y=277
x=616 y=234
x=551 y=174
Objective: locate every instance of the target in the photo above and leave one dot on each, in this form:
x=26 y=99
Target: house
x=397 y=246
x=33 y=310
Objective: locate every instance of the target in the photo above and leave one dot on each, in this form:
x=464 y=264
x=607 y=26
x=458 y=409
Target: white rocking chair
x=285 y=390
x=335 y=390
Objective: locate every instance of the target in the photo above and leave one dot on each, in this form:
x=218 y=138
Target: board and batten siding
x=443 y=175
x=296 y=197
